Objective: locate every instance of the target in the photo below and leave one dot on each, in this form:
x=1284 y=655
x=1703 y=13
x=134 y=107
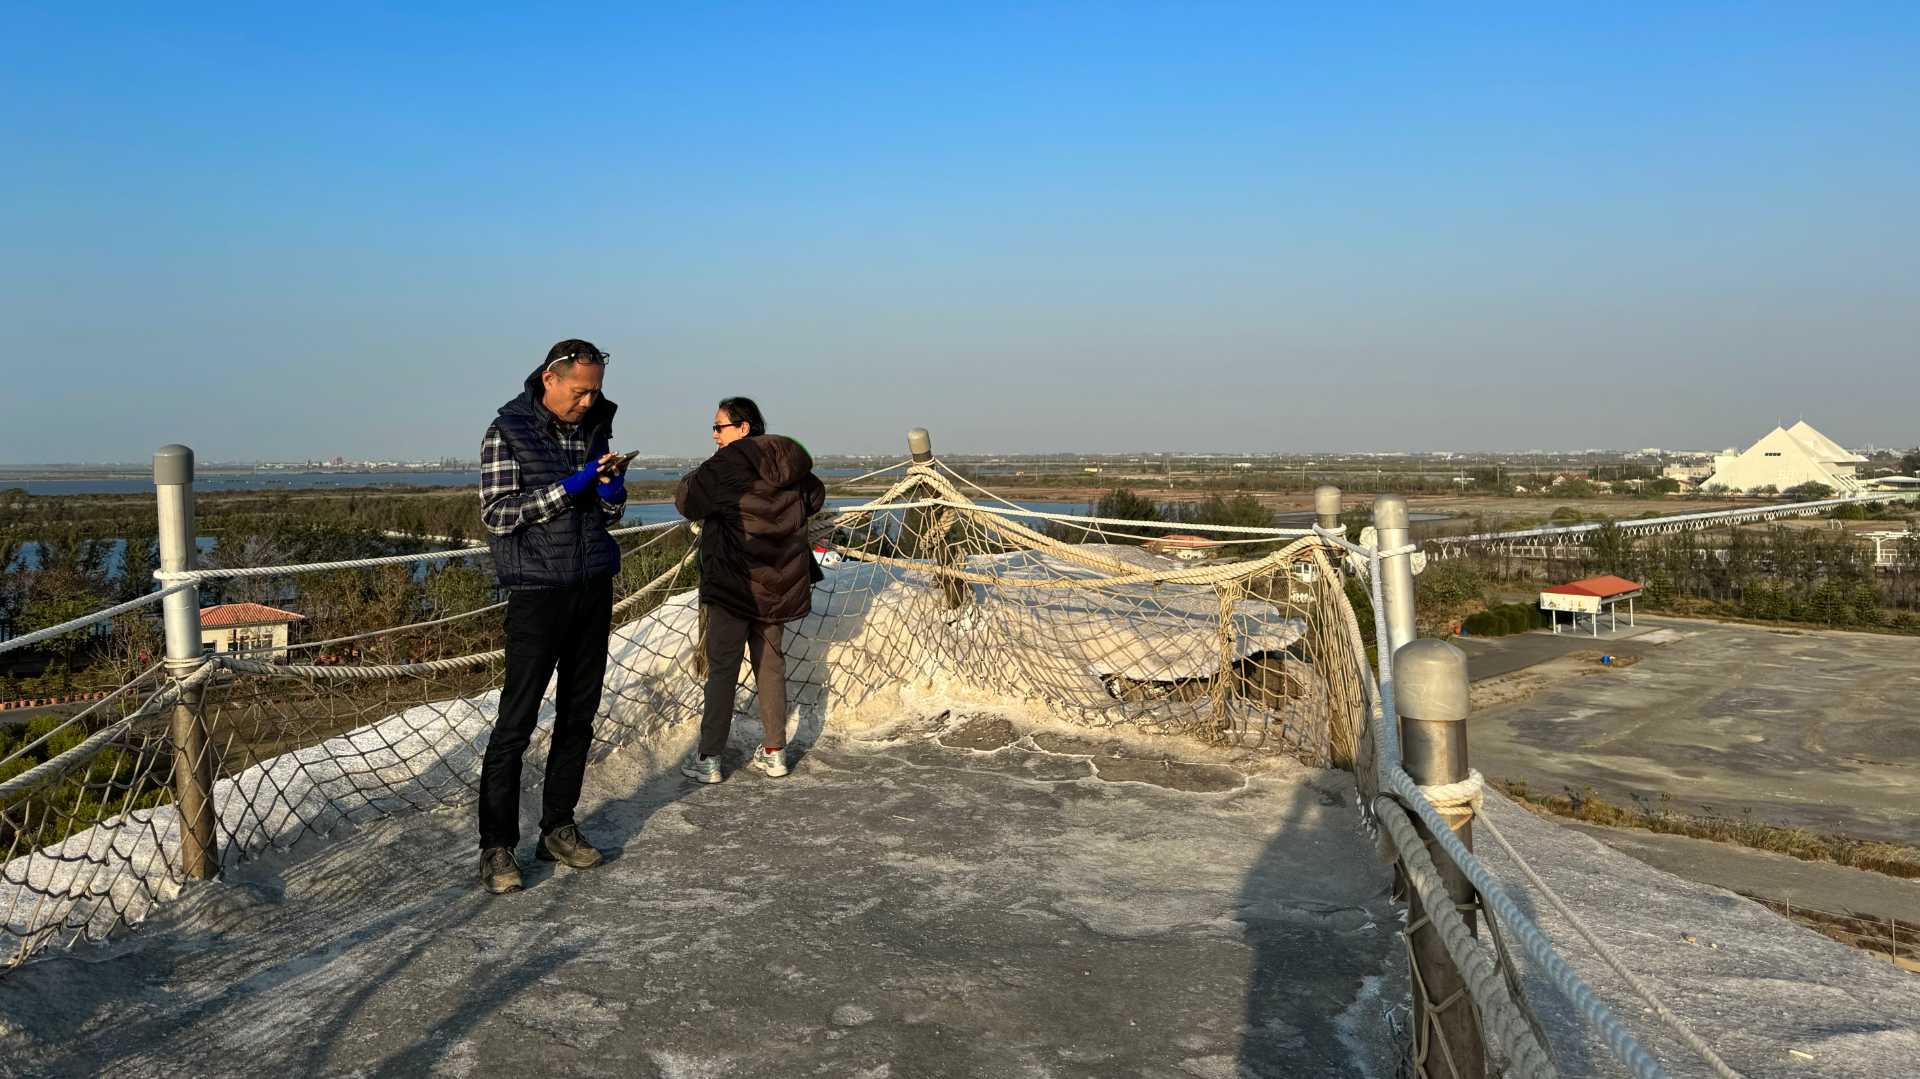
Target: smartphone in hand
x=617 y=464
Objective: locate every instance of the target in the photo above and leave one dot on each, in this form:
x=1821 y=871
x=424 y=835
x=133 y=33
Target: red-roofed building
x=247 y=627
x=1590 y=597
x=1184 y=546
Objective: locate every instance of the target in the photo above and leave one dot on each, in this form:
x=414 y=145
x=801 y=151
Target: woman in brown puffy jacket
x=753 y=498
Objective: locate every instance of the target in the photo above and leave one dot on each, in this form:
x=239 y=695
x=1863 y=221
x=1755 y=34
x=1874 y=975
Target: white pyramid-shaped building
x=1785 y=458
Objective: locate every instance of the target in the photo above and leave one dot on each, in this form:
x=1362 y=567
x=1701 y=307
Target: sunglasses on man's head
x=600 y=358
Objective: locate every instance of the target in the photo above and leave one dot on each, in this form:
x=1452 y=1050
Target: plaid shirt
x=504 y=507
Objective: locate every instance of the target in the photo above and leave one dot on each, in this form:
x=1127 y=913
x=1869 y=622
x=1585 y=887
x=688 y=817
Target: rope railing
x=1087 y=519
x=865 y=476
x=183 y=578
x=194 y=576
x=91 y=747
x=80 y=718
x=1614 y=1034
x=1497 y=1010
x=292 y=749
x=1645 y=992
x=107 y=614
x=953 y=501
x=661 y=532
x=1394 y=780
x=247 y=664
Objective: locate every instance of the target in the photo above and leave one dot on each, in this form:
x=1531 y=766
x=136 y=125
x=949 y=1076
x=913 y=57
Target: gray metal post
x=192 y=756
x=1326 y=514
x=1326 y=506
x=1396 y=571
x=920 y=445
x=1430 y=693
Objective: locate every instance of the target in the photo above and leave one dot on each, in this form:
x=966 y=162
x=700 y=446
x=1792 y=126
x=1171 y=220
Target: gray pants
x=728 y=635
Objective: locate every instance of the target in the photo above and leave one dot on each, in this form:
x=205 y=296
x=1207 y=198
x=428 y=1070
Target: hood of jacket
x=779 y=461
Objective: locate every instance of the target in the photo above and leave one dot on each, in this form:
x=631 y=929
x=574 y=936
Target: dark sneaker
x=499 y=873
x=567 y=846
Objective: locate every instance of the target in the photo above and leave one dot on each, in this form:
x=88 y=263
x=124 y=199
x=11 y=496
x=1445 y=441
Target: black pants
x=727 y=635
x=547 y=628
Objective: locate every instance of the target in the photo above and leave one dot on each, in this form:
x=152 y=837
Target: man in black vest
x=549 y=491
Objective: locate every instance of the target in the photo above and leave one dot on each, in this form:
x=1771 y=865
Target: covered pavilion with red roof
x=1590 y=597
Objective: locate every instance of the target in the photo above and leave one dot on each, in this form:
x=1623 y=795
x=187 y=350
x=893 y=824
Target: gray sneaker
x=499 y=872
x=702 y=769
x=771 y=763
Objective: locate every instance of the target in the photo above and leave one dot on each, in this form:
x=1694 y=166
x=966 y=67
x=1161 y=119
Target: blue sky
x=276 y=233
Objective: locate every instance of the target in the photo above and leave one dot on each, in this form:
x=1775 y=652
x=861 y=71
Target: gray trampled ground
x=1773 y=998
x=916 y=906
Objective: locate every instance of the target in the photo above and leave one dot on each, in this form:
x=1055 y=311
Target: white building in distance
x=246 y=627
x=1787 y=457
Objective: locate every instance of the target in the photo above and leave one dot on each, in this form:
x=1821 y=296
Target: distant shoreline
x=14 y=473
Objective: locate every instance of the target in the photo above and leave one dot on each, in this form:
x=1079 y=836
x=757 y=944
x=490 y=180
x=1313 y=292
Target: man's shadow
x=1316 y=957
x=1315 y=911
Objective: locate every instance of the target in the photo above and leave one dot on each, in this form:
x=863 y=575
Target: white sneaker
x=702 y=769
x=771 y=763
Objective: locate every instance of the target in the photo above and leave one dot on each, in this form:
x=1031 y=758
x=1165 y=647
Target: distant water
x=654 y=513
x=1305 y=518
x=28 y=557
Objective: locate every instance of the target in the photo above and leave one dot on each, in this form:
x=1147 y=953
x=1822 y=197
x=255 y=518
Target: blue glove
x=612 y=488
x=578 y=482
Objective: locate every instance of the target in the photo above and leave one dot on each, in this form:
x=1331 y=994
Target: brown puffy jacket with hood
x=753 y=498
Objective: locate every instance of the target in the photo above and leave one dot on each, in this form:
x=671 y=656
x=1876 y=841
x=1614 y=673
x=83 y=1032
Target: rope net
x=925 y=591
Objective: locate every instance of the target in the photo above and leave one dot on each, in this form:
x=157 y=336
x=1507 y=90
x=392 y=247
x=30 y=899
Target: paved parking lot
x=1490 y=657
x=1817 y=730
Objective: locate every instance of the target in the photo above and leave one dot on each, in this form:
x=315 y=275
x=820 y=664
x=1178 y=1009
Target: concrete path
x=968 y=900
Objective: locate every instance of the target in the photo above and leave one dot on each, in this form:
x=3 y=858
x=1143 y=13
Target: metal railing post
x=1326 y=506
x=1326 y=515
x=1430 y=694
x=1396 y=571
x=920 y=445
x=192 y=757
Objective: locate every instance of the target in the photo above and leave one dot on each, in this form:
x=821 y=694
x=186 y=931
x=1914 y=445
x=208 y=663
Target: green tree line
x=65 y=556
x=1778 y=573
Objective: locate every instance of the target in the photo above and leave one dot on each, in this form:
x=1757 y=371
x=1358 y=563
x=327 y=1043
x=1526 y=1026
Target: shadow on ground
x=958 y=897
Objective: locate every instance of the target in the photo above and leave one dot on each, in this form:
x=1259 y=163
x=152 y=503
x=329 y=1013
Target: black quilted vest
x=574 y=547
